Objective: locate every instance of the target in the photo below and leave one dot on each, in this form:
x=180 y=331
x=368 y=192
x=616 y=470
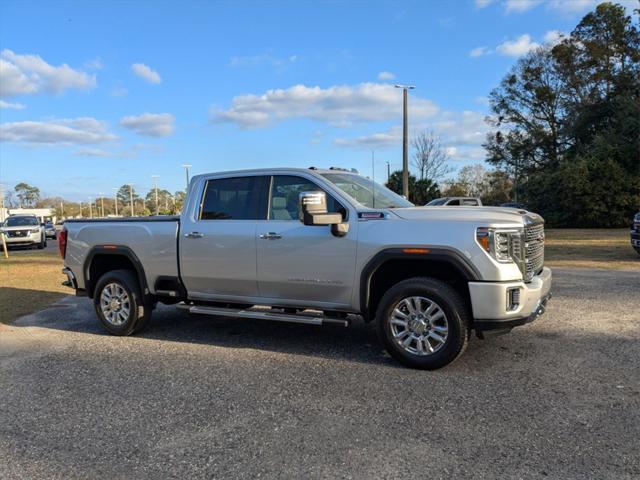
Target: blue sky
x=97 y=94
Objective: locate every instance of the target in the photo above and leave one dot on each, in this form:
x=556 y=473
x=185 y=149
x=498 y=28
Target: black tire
x=456 y=315
x=138 y=312
x=637 y=250
x=42 y=244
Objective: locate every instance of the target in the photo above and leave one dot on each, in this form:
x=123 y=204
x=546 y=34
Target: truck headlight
x=504 y=245
x=34 y=230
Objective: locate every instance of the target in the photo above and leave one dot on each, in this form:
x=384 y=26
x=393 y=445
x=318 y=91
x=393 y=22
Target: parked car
x=24 y=230
x=308 y=246
x=519 y=206
x=50 y=230
x=635 y=233
x=448 y=201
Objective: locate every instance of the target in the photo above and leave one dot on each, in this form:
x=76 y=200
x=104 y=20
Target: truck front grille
x=17 y=233
x=534 y=251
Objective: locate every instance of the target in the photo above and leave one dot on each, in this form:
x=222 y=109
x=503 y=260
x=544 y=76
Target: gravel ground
x=197 y=397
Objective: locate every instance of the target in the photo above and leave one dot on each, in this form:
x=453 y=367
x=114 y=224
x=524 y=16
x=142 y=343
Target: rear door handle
x=194 y=235
x=270 y=236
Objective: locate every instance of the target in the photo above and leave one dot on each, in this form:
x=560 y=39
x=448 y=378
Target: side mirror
x=313 y=211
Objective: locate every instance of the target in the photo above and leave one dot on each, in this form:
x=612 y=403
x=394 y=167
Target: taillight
x=62 y=242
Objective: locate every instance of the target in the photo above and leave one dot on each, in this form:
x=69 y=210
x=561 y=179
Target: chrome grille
x=534 y=251
x=17 y=233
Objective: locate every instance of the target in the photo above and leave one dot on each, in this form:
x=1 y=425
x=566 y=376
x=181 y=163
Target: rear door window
x=237 y=198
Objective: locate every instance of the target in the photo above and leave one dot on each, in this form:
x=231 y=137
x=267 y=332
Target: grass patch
x=591 y=248
x=29 y=282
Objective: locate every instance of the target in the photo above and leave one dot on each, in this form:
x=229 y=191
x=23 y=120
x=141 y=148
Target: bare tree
x=429 y=157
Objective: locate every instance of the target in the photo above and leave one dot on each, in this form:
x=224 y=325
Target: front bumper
x=31 y=239
x=635 y=238
x=493 y=307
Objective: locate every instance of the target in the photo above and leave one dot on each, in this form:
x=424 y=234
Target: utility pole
x=186 y=168
x=388 y=171
x=115 y=198
x=90 y=210
x=2 y=211
x=155 y=186
x=102 y=204
x=80 y=209
x=131 y=197
x=373 y=178
x=405 y=139
x=61 y=209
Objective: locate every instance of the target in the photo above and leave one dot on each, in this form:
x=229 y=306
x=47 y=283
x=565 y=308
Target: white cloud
x=151 y=124
x=462 y=135
x=337 y=105
x=29 y=74
x=519 y=6
x=12 y=105
x=483 y=3
x=146 y=73
x=74 y=131
x=553 y=37
x=479 y=51
x=518 y=47
x=385 y=75
x=392 y=137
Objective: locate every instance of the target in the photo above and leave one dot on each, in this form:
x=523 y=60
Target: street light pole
x=115 y=198
x=131 y=197
x=186 y=169
x=405 y=139
x=102 y=204
x=388 y=171
x=155 y=186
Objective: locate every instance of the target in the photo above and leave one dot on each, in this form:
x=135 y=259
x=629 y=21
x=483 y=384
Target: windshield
x=21 y=221
x=366 y=192
x=437 y=201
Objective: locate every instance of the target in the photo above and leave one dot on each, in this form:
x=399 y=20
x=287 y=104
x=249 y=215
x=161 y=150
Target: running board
x=264 y=314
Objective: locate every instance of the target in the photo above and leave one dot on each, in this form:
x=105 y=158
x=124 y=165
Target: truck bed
x=152 y=241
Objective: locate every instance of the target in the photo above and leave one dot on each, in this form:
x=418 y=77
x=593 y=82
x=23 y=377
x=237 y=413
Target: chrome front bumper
x=492 y=303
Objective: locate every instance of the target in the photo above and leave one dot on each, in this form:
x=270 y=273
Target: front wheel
x=637 y=249
x=119 y=303
x=423 y=323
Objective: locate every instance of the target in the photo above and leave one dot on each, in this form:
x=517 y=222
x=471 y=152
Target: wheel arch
x=393 y=265
x=105 y=258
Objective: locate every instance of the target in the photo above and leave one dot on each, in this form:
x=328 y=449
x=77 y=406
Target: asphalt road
x=196 y=397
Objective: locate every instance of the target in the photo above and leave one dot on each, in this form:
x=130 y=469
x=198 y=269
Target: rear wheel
x=423 y=323
x=43 y=242
x=119 y=303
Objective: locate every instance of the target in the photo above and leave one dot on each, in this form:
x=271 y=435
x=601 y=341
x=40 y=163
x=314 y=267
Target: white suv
x=24 y=230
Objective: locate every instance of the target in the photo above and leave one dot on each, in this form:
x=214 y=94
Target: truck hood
x=482 y=215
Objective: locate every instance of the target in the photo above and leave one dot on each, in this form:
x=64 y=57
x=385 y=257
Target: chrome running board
x=265 y=314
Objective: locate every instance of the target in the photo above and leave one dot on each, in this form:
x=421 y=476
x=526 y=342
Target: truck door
x=218 y=241
x=299 y=263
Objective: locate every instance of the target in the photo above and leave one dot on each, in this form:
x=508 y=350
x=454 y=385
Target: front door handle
x=270 y=236
x=194 y=235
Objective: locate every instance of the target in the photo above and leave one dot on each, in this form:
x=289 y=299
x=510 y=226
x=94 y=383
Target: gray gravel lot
x=196 y=397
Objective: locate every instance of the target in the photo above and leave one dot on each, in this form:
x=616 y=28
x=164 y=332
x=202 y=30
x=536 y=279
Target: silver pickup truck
x=320 y=247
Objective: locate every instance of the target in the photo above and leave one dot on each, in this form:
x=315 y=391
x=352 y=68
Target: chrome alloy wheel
x=115 y=304
x=419 y=325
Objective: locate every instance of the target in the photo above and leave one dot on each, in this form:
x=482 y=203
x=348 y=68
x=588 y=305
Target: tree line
x=24 y=195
